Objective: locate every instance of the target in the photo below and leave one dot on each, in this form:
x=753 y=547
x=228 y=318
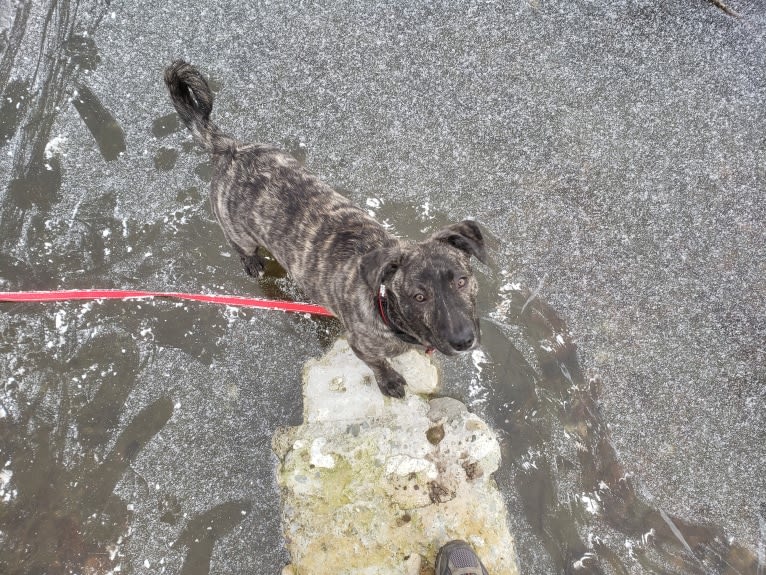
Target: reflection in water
x=102 y=125
x=203 y=531
x=67 y=375
x=12 y=109
x=558 y=458
x=565 y=497
x=60 y=514
x=34 y=180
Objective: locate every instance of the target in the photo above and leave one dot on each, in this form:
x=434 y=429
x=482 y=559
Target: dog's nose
x=463 y=340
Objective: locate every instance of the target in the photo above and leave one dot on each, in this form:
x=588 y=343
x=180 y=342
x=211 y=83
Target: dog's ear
x=465 y=236
x=379 y=264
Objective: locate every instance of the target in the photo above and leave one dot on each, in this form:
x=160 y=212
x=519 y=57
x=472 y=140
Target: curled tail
x=193 y=101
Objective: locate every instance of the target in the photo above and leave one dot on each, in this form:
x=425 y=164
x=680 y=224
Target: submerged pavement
x=614 y=152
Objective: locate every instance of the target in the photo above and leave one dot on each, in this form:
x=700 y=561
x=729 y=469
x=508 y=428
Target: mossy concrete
x=372 y=485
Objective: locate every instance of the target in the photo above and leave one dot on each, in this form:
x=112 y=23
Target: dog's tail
x=193 y=101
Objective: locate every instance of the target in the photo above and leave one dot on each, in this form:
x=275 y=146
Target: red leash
x=93 y=294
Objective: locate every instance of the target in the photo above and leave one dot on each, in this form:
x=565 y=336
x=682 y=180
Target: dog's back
x=262 y=196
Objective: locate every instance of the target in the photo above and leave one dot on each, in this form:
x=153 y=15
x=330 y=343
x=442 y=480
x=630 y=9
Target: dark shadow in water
x=83 y=51
x=39 y=186
x=101 y=123
x=166 y=125
x=203 y=531
x=15 y=100
x=529 y=404
x=63 y=516
x=165 y=159
x=65 y=48
x=11 y=40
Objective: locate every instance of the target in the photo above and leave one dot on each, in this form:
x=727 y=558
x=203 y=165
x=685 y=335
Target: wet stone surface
x=384 y=498
x=614 y=153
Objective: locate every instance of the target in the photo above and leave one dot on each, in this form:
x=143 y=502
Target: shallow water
x=137 y=434
x=90 y=386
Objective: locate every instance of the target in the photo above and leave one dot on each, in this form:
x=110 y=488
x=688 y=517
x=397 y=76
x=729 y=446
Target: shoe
x=458 y=558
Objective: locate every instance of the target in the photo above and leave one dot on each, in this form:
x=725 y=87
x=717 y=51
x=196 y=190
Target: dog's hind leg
x=254 y=263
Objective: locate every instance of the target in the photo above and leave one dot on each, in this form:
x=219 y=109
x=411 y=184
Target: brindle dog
x=389 y=294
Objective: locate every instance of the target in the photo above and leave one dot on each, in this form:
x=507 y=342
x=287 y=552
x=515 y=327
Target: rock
x=444 y=408
x=372 y=485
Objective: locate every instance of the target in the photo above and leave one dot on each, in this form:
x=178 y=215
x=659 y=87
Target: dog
x=390 y=295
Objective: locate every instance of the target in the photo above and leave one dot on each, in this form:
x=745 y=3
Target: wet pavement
x=614 y=153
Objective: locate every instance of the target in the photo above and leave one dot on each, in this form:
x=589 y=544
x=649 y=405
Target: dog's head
x=430 y=287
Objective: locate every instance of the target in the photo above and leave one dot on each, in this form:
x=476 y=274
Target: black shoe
x=458 y=558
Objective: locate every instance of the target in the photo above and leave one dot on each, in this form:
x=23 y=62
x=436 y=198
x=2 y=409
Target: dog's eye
x=461 y=282
x=419 y=297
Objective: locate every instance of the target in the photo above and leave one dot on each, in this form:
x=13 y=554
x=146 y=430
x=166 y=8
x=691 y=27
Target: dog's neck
x=388 y=314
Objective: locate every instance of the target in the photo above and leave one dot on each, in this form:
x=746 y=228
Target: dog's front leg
x=390 y=381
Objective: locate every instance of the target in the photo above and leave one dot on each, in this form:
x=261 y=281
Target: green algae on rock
x=365 y=487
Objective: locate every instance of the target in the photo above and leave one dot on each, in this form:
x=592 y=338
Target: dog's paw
x=254 y=265
x=392 y=385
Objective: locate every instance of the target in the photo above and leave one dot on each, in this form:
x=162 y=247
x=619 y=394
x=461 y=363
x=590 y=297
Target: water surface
x=136 y=435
